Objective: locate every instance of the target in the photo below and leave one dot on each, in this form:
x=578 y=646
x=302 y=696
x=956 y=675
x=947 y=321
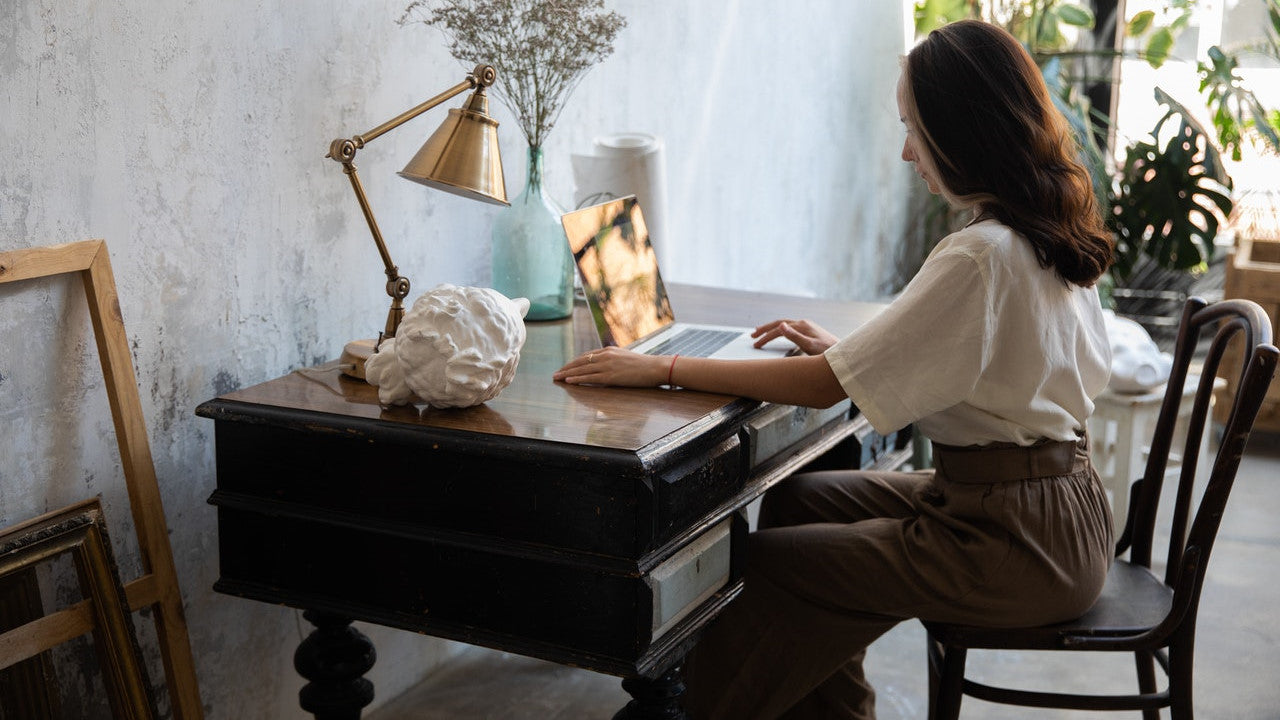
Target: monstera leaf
x=1170 y=199
x=1237 y=111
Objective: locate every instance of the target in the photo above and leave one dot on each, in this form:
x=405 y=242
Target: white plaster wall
x=191 y=137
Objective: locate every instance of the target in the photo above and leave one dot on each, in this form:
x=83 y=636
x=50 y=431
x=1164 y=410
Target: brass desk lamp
x=460 y=157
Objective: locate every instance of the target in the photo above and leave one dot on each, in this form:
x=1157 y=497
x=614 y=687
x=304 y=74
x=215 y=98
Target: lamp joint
x=397 y=285
x=343 y=150
x=483 y=76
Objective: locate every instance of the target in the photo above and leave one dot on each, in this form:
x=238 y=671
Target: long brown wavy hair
x=986 y=116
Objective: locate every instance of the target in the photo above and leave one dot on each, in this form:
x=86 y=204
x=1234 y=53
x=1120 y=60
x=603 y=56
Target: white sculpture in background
x=456 y=347
x=1137 y=364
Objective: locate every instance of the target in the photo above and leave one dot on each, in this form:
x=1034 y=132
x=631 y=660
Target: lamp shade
x=462 y=156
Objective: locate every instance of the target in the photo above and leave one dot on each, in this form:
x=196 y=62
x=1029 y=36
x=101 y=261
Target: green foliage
x=1039 y=24
x=933 y=14
x=1168 y=197
x=1140 y=23
x=1159 y=30
x=1235 y=109
x=1237 y=113
x=1077 y=15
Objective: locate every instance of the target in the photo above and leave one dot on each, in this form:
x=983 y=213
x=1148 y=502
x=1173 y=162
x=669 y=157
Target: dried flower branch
x=541 y=48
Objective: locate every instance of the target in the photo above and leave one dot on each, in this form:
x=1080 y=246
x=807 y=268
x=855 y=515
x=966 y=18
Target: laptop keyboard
x=694 y=342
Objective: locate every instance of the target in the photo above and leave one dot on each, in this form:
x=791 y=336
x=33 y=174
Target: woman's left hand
x=615 y=366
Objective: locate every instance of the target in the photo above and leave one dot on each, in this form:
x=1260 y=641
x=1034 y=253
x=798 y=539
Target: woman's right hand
x=808 y=336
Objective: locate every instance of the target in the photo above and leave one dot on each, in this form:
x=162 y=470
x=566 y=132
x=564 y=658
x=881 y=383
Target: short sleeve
x=926 y=351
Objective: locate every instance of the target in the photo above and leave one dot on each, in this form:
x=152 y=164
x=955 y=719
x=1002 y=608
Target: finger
x=788 y=331
x=574 y=375
x=586 y=377
x=797 y=334
x=802 y=341
x=577 y=363
x=767 y=337
x=589 y=357
x=767 y=327
x=569 y=366
x=593 y=362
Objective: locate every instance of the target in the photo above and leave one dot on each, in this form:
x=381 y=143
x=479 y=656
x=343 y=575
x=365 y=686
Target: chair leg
x=1180 y=676
x=946 y=680
x=1146 y=663
x=933 y=653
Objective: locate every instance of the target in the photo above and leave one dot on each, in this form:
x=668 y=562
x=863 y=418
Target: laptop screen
x=619 y=270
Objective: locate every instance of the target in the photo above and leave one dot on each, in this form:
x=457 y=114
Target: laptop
x=629 y=304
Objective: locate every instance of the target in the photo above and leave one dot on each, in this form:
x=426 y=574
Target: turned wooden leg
x=654 y=698
x=333 y=658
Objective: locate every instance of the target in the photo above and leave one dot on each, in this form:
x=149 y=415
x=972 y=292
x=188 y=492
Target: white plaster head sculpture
x=456 y=347
x=1137 y=364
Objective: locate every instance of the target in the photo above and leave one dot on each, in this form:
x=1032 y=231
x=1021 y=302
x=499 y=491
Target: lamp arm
x=397 y=284
x=408 y=115
x=343 y=150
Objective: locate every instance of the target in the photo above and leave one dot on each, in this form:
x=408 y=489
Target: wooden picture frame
x=81 y=531
x=157 y=587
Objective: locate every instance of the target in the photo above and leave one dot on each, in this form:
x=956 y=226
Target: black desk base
x=335 y=657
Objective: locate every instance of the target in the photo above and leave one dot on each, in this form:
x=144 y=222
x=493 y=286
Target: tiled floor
x=1237 y=655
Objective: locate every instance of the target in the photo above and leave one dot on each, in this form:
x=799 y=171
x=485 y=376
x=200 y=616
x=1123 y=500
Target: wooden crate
x=1253 y=273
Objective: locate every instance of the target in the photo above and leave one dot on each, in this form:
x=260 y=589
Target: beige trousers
x=843 y=556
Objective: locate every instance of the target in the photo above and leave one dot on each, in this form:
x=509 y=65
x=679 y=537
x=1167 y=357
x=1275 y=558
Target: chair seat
x=1133 y=601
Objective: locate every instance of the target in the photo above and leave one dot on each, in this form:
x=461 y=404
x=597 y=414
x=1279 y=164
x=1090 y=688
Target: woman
x=994 y=351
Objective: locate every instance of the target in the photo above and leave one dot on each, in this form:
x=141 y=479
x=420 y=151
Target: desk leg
x=654 y=698
x=334 y=657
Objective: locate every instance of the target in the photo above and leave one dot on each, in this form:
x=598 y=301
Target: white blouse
x=983 y=345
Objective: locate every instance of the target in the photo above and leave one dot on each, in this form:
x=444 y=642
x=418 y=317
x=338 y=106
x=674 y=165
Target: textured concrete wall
x=190 y=135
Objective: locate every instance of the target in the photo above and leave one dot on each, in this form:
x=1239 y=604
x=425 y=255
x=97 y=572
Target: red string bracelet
x=671 y=369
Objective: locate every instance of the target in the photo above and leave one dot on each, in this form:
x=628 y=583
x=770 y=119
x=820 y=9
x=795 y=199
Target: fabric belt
x=1006 y=462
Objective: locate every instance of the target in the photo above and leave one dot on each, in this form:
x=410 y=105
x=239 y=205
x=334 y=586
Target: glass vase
x=530 y=253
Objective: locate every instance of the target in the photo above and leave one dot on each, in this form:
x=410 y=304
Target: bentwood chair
x=1139 y=612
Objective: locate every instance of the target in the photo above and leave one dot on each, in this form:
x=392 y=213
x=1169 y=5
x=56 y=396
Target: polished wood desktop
x=595 y=527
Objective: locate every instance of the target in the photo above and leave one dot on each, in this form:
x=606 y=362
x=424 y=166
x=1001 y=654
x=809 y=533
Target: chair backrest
x=1191 y=535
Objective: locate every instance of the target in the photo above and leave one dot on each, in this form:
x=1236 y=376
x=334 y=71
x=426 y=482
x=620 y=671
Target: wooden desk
x=596 y=527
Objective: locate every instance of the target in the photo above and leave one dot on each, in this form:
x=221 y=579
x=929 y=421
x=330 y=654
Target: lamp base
x=354 y=355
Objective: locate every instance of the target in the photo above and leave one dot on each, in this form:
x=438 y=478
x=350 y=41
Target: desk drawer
x=690 y=577
x=782 y=426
